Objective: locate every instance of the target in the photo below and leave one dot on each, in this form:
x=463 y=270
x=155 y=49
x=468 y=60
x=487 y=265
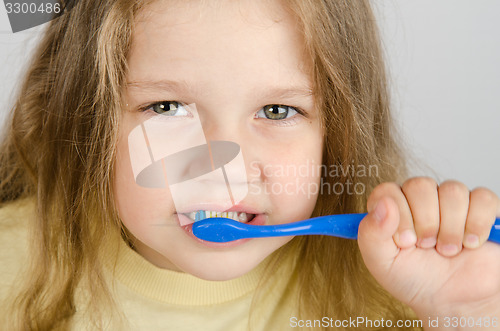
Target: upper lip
x=240 y=207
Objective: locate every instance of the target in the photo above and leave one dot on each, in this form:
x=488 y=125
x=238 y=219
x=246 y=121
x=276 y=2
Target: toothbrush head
x=200 y=215
x=219 y=229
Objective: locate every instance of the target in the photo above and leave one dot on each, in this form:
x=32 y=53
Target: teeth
x=242 y=217
x=237 y=216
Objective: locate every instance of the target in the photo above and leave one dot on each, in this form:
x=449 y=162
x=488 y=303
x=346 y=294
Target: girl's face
x=231 y=59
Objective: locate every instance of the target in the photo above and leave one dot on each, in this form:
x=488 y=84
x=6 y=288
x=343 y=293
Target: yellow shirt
x=152 y=298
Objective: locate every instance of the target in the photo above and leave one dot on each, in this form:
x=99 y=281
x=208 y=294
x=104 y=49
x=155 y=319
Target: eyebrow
x=160 y=85
x=181 y=87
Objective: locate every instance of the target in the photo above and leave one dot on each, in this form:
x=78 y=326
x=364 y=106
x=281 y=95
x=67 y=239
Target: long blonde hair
x=60 y=149
x=341 y=38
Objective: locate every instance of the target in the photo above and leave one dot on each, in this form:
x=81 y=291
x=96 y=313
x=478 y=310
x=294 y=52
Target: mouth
x=238 y=216
x=237 y=213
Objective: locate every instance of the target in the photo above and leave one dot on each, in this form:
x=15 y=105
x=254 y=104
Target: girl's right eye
x=169 y=108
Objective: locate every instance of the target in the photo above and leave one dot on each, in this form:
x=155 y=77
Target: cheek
x=137 y=206
x=294 y=189
x=293 y=180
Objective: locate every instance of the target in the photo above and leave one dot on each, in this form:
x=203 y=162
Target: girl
x=293 y=83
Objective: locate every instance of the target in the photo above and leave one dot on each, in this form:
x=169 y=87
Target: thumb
x=375 y=236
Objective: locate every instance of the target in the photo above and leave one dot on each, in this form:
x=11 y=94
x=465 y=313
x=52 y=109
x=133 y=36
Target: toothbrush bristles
x=200 y=215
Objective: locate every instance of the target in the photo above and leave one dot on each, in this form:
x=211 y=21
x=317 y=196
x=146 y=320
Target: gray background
x=444 y=61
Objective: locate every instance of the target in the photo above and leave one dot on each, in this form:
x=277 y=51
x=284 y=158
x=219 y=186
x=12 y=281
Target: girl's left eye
x=169 y=108
x=276 y=112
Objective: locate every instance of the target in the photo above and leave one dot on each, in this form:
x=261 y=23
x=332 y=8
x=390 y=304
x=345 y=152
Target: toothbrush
x=219 y=229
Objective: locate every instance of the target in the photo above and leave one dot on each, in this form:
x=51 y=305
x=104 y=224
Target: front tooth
x=242 y=217
x=237 y=216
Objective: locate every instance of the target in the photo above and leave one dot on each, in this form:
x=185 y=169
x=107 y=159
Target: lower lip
x=260 y=219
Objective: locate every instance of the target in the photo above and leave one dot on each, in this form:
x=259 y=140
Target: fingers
x=447 y=217
x=405 y=235
x=422 y=196
x=375 y=235
x=453 y=206
x=484 y=205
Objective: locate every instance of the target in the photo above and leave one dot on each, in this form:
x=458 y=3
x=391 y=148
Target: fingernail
x=472 y=241
x=448 y=250
x=380 y=212
x=406 y=238
x=428 y=242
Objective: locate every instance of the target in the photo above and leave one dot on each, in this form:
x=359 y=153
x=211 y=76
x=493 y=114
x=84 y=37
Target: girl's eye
x=276 y=112
x=169 y=108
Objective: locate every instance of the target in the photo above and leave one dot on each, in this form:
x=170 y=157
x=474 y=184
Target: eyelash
x=287 y=121
x=283 y=122
x=151 y=105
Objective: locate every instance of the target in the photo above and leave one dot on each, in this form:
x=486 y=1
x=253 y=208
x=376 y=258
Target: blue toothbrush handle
x=343 y=226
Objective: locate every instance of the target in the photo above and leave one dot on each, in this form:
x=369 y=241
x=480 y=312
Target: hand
x=426 y=245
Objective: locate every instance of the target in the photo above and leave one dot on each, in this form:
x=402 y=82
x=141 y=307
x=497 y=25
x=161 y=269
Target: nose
x=214 y=171
x=221 y=166
x=200 y=160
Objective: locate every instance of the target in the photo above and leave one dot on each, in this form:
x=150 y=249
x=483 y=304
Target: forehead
x=207 y=41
